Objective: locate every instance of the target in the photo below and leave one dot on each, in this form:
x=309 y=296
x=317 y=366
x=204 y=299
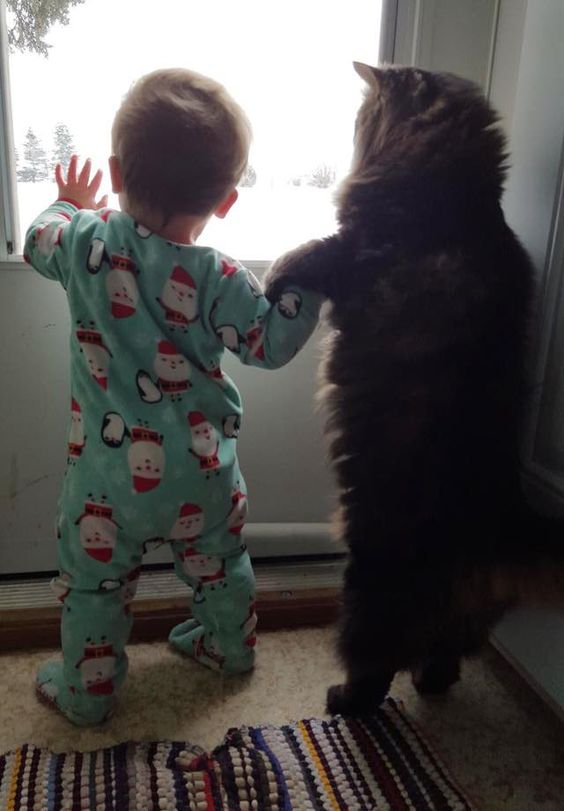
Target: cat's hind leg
x=437 y=673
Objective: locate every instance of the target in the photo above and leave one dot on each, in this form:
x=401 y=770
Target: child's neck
x=182 y=228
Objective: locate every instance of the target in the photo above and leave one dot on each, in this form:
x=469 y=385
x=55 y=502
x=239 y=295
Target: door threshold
x=289 y=595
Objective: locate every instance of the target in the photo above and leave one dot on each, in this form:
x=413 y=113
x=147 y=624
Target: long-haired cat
x=425 y=387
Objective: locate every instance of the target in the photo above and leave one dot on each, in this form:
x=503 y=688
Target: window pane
x=288 y=64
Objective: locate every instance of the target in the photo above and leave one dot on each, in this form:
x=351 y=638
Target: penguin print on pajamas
x=179 y=299
x=289 y=304
x=231 y=426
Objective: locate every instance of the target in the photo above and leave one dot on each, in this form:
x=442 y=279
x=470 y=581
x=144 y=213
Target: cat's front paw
x=336 y=700
x=309 y=266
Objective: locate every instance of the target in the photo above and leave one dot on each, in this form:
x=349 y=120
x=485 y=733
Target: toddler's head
x=181 y=144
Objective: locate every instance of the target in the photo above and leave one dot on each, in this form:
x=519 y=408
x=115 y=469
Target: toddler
x=153 y=419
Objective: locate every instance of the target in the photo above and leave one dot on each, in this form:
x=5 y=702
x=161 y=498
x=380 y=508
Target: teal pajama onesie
x=152 y=439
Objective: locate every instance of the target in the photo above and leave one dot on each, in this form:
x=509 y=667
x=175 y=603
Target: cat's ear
x=372 y=76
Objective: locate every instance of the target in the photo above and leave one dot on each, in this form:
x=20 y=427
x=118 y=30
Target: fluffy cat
x=424 y=383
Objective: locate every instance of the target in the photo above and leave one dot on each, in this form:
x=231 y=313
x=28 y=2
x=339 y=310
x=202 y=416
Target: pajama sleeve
x=258 y=332
x=48 y=241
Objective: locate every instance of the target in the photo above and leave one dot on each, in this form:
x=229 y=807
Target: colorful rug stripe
x=378 y=763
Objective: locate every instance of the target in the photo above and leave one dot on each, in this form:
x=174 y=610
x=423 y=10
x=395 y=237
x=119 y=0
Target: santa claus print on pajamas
x=172 y=370
x=98 y=531
x=97 y=667
x=238 y=512
x=209 y=652
x=254 y=338
x=205 y=442
x=49 y=238
x=249 y=626
x=76 y=439
x=189 y=525
x=179 y=299
x=209 y=570
x=96 y=353
x=146 y=458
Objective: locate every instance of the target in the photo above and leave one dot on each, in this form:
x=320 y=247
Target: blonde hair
x=181 y=141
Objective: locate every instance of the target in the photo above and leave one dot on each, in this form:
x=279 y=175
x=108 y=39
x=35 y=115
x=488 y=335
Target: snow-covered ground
x=265 y=222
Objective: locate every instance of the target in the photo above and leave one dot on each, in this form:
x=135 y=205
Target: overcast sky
x=287 y=63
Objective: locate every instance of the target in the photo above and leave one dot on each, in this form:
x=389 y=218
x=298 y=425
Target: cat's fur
x=425 y=387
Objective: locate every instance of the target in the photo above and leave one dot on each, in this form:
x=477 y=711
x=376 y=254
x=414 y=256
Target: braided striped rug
x=369 y=764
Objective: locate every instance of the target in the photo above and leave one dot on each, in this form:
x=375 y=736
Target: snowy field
x=265 y=222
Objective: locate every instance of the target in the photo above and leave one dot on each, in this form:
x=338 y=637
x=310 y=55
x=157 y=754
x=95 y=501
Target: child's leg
x=95 y=627
x=221 y=634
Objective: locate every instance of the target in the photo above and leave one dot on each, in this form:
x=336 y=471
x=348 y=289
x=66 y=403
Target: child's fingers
x=95 y=183
x=85 y=173
x=59 y=179
x=103 y=202
x=71 y=171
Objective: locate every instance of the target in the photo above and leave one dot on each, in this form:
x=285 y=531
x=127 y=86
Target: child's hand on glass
x=80 y=190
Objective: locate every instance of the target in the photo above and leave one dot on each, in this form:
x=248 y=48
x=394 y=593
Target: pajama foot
x=191 y=639
x=51 y=689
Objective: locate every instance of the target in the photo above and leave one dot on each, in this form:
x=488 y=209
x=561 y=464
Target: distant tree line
x=37 y=165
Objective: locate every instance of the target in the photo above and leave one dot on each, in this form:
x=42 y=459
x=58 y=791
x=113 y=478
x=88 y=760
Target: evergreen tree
x=322 y=176
x=249 y=177
x=30 y=20
x=35 y=167
x=64 y=146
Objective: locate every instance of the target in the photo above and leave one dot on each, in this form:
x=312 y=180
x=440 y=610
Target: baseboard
x=288 y=596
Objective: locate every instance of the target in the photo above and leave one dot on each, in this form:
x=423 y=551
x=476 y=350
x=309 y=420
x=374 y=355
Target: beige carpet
x=498 y=739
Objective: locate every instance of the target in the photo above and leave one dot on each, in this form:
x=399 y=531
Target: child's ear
x=223 y=208
x=115 y=174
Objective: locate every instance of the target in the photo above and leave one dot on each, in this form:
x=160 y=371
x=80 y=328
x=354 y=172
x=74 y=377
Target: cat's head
x=415 y=123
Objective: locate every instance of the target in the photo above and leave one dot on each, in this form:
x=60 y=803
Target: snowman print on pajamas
x=76 y=439
x=96 y=353
x=145 y=455
x=146 y=458
x=179 y=299
x=97 y=667
x=98 y=530
x=121 y=284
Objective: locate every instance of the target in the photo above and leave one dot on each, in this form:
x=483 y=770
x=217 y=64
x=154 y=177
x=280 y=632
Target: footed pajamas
x=152 y=439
